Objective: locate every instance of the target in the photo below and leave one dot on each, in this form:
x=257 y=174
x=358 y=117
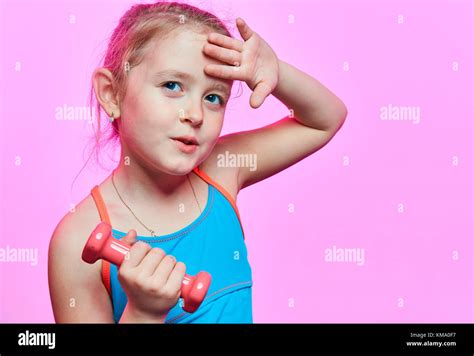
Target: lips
x=187 y=148
x=188 y=140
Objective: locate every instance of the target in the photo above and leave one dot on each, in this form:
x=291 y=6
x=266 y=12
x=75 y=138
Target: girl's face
x=169 y=95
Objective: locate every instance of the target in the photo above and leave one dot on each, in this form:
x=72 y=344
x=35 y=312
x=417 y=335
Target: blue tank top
x=213 y=242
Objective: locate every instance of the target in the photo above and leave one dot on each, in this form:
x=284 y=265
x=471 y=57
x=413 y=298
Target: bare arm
x=76 y=290
x=316 y=116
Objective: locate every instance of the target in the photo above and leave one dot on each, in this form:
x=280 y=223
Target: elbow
x=339 y=117
x=343 y=117
x=339 y=122
x=344 y=112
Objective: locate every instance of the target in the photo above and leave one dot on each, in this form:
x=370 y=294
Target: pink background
x=399 y=191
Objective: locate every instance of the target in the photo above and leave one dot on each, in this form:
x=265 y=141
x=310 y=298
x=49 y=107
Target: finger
x=245 y=31
x=136 y=254
x=130 y=238
x=224 y=71
x=176 y=277
x=162 y=272
x=260 y=93
x=225 y=41
x=151 y=261
x=223 y=54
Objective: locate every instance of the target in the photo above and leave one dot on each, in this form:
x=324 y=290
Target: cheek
x=216 y=124
x=146 y=116
x=212 y=134
x=134 y=103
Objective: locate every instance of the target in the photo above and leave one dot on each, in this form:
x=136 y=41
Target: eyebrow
x=186 y=76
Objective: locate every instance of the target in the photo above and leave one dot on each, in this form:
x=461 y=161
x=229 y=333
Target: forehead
x=180 y=54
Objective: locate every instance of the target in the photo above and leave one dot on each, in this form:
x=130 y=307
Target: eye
x=214 y=96
x=167 y=85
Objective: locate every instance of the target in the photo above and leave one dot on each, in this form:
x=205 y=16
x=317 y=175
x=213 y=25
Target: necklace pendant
x=152 y=233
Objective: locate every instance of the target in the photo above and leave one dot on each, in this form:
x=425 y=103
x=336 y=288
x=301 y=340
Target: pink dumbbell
x=101 y=244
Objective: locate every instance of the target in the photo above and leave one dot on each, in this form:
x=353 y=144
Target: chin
x=180 y=167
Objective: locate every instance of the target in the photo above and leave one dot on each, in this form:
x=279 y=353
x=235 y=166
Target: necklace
x=151 y=231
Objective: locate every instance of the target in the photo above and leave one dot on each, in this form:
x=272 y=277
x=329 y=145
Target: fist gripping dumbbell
x=101 y=244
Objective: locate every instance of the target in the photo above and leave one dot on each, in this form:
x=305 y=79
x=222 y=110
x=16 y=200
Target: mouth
x=186 y=144
x=187 y=140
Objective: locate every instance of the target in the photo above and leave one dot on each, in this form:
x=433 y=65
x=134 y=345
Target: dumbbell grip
x=101 y=245
x=117 y=252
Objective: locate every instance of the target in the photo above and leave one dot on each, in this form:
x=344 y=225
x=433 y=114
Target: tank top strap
x=104 y=216
x=221 y=189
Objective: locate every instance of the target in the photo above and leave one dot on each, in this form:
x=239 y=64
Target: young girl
x=165 y=83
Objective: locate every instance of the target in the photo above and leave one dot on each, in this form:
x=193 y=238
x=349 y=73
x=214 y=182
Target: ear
x=106 y=91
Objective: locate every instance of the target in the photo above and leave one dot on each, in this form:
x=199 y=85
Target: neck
x=139 y=183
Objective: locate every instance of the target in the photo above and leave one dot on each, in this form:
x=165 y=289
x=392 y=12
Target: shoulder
x=76 y=289
x=224 y=175
x=75 y=226
x=69 y=238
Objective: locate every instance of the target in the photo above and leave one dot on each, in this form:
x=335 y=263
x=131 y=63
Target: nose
x=193 y=115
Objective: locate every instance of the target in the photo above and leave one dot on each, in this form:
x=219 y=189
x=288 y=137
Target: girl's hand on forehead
x=252 y=61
